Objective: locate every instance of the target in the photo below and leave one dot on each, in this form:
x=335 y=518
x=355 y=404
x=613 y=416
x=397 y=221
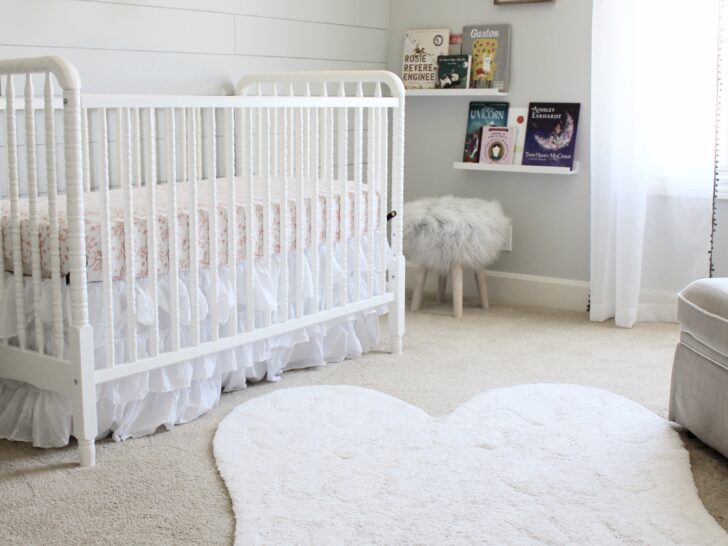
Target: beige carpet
x=164 y=489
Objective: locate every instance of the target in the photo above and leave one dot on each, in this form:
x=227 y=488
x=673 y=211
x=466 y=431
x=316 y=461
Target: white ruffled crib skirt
x=138 y=405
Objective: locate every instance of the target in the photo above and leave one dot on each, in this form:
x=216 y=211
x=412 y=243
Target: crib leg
x=83 y=394
x=395 y=284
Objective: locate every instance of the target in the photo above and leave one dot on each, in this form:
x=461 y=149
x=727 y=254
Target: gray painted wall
x=551 y=49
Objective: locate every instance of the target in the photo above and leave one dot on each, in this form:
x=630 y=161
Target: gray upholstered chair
x=699 y=392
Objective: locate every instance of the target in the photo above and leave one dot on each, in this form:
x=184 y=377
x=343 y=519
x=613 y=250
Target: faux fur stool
x=445 y=235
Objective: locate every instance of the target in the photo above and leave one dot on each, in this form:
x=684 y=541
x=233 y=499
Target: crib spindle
x=106 y=243
x=232 y=220
x=172 y=221
x=375 y=189
x=240 y=139
x=52 y=190
x=328 y=148
x=250 y=223
x=383 y=197
x=358 y=174
x=13 y=178
x=313 y=138
x=86 y=156
x=126 y=146
x=343 y=164
x=371 y=211
x=32 y=168
x=283 y=210
x=300 y=241
x=211 y=169
x=136 y=150
x=193 y=157
x=150 y=168
x=265 y=153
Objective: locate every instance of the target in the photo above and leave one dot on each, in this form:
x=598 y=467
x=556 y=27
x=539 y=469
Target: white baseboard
x=516 y=289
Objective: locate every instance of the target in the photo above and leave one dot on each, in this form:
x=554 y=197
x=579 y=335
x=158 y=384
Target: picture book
x=517 y=119
x=453 y=71
x=482 y=114
x=551 y=134
x=456 y=44
x=490 y=47
x=419 y=60
x=496 y=145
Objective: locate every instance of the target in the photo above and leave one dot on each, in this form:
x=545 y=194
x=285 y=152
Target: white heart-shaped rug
x=534 y=464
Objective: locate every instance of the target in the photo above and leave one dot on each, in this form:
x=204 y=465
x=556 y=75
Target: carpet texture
x=533 y=464
x=165 y=488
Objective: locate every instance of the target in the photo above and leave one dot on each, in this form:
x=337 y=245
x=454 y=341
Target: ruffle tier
x=138 y=405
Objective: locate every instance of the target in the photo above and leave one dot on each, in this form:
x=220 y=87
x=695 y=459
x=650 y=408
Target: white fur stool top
x=448 y=234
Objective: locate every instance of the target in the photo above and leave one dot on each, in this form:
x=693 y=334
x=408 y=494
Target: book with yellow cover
x=490 y=48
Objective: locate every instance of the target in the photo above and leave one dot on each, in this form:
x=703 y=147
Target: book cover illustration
x=482 y=114
x=497 y=145
x=419 y=60
x=453 y=71
x=490 y=47
x=551 y=134
x=517 y=119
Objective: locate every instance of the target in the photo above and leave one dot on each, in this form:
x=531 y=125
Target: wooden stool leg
x=457 y=290
x=482 y=288
x=441 y=288
x=419 y=288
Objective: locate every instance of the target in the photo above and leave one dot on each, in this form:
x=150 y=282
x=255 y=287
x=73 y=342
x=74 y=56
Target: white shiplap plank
x=69 y=23
x=285 y=38
x=120 y=72
x=372 y=13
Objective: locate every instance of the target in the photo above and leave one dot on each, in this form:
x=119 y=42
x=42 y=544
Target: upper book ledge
x=455 y=93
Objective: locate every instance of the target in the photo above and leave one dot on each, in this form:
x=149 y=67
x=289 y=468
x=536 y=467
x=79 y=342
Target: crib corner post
x=395 y=284
x=83 y=392
x=81 y=344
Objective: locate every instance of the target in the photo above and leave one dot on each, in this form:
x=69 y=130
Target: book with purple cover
x=551 y=134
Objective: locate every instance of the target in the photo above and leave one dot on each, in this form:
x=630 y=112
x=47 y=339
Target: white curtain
x=652 y=153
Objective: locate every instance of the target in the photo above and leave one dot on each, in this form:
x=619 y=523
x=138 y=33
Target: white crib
x=143 y=234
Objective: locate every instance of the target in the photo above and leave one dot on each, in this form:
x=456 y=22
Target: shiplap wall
x=194 y=46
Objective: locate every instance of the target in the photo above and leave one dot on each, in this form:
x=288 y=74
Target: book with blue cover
x=482 y=114
x=551 y=134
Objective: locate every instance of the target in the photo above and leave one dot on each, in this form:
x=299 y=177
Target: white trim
x=506 y=288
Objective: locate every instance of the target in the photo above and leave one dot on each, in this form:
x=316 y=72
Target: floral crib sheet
x=140 y=200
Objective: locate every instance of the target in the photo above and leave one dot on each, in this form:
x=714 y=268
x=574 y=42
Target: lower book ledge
x=459 y=165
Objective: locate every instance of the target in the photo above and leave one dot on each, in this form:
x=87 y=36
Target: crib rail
x=195 y=204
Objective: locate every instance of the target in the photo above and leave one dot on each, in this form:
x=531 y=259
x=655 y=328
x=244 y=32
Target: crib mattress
x=93 y=216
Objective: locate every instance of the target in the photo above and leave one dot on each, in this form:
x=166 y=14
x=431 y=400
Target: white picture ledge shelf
x=515 y=168
x=455 y=93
